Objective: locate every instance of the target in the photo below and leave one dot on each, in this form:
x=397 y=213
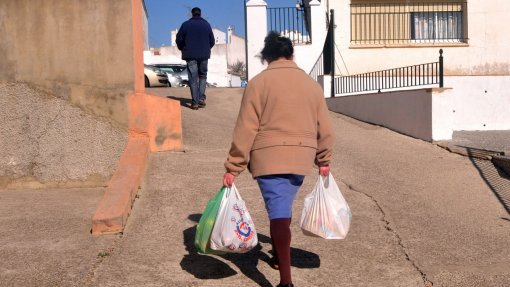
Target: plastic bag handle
x=325 y=180
x=232 y=188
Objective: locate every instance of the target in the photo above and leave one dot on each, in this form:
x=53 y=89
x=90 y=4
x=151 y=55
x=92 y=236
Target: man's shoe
x=286 y=285
x=201 y=104
x=194 y=107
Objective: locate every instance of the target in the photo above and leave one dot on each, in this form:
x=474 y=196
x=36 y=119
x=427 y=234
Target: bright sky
x=167 y=15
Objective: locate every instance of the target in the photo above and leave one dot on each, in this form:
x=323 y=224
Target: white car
x=176 y=70
x=154 y=77
x=173 y=80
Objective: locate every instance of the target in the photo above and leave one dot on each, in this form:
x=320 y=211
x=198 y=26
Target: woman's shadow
x=209 y=267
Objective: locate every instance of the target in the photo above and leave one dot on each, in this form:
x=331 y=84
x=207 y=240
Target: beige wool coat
x=283 y=124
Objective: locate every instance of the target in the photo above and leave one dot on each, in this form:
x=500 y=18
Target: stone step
x=502 y=162
x=497 y=141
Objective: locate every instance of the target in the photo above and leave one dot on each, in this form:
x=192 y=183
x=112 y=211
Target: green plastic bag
x=206 y=224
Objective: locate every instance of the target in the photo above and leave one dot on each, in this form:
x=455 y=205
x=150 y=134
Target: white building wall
x=236 y=50
x=475 y=103
x=219 y=36
x=167 y=55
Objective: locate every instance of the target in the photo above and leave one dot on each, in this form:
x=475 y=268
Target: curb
x=155 y=125
x=115 y=206
x=467 y=151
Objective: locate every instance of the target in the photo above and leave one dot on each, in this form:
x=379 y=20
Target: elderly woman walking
x=282 y=129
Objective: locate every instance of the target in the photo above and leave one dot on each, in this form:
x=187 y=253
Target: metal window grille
x=402 y=23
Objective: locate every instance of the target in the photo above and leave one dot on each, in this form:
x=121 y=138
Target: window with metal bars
x=404 y=22
x=436 y=25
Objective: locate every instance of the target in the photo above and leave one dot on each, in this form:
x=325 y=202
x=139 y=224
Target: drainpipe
x=441 y=73
x=245 y=41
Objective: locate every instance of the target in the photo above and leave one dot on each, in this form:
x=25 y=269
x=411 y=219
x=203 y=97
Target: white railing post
x=319 y=28
x=256 y=32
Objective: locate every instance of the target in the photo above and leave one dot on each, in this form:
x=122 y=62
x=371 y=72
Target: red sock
x=280 y=236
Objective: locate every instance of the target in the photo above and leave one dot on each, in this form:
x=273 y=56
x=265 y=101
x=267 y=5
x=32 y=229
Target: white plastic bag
x=233 y=229
x=325 y=212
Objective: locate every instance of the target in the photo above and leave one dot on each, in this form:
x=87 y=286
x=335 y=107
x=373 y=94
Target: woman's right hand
x=324 y=170
x=228 y=179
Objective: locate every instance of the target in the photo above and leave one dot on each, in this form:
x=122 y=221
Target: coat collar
x=278 y=64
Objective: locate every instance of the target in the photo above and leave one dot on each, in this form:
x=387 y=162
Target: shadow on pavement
x=185 y=102
x=208 y=267
x=496 y=179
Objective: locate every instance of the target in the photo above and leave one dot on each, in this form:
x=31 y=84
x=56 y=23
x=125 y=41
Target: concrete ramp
x=45 y=141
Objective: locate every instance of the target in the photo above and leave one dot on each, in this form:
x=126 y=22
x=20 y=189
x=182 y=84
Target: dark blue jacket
x=195 y=39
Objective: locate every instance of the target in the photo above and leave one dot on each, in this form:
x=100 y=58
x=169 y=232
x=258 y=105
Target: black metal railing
x=318 y=68
x=410 y=76
x=290 y=22
x=403 y=23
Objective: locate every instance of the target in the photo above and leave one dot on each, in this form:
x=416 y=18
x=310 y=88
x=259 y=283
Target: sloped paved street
x=422 y=216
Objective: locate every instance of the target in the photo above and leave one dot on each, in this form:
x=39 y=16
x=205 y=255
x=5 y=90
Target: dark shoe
x=286 y=285
x=201 y=104
x=194 y=107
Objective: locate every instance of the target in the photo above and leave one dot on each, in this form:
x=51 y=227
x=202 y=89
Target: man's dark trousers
x=197 y=74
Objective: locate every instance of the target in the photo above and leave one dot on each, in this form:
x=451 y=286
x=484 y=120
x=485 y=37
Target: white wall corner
x=442 y=116
x=325 y=82
x=473 y=103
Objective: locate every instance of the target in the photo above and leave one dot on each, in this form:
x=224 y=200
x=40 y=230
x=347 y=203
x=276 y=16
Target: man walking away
x=195 y=40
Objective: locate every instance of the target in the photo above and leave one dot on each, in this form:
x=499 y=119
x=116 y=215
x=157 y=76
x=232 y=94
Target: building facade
x=376 y=35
